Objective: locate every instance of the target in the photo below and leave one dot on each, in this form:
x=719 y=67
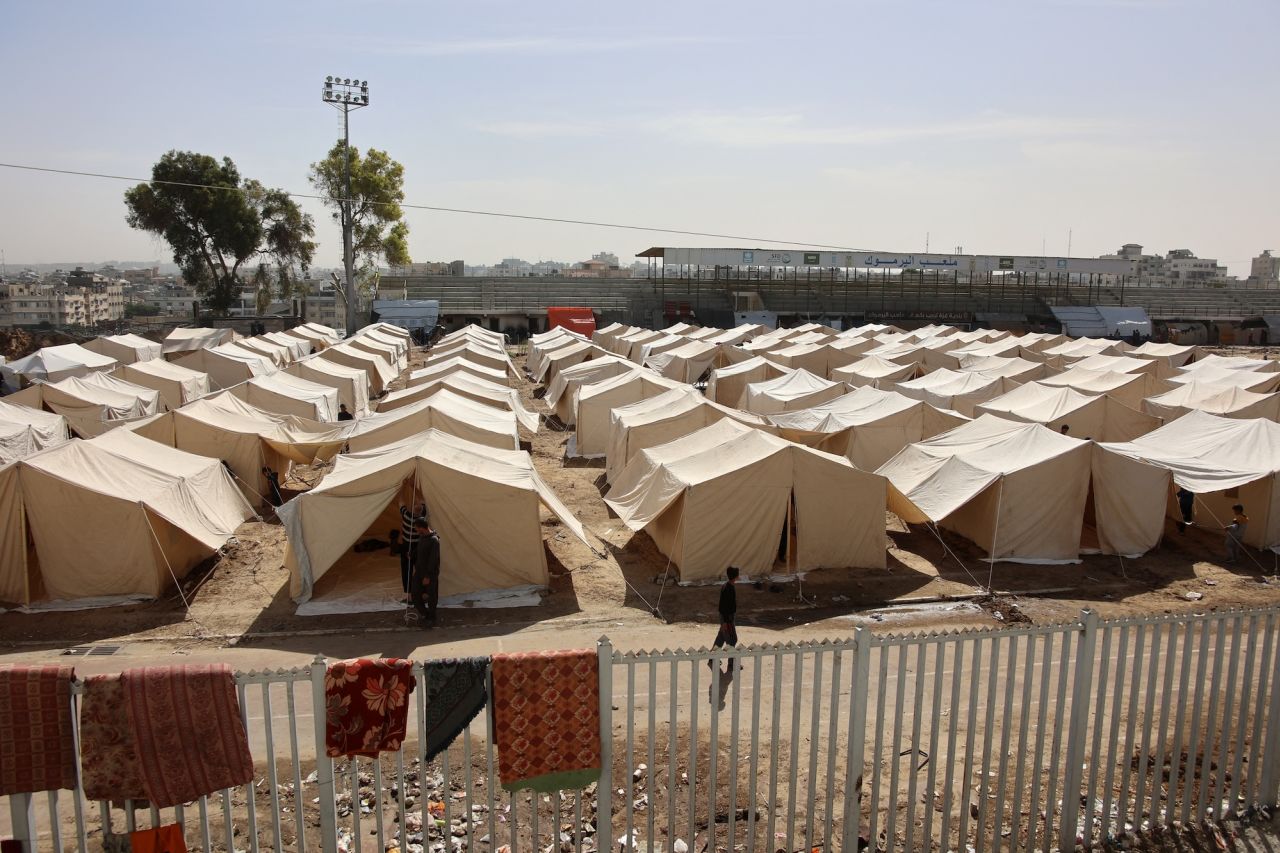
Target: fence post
x=604 y=790
x=324 y=764
x=22 y=816
x=1078 y=729
x=1271 y=755
x=856 y=763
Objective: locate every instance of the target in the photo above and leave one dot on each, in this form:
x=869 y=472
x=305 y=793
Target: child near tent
x=1235 y=532
x=728 y=613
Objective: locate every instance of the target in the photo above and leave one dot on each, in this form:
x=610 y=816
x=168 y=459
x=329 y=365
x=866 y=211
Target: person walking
x=728 y=633
x=410 y=515
x=1186 y=505
x=1235 y=532
x=426 y=573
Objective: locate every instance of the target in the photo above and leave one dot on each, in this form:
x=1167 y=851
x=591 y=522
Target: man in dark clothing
x=1186 y=505
x=273 y=486
x=728 y=612
x=410 y=515
x=343 y=414
x=426 y=573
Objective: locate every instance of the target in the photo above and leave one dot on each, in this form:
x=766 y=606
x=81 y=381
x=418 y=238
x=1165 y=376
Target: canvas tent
x=1224 y=400
x=557 y=360
x=317 y=340
x=351 y=383
x=279 y=356
x=818 y=359
x=444 y=410
x=727 y=494
x=466 y=385
x=389 y=353
x=799 y=389
x=1016 y=490
x=735 y=336
x=91 y=400
x=184 y=340
x=1086 y=416
x=298 y=347
x=1251 y=380
x=226 y=365
x=875 y=371
x=1223 y=461
x=685 y=363
x=1224 y=362
x=1129 y=388
x=726 y=384
x=1122 y=364
x=125 y=349
x=1078 y=348
x=596 y=402
x=177 y=384
x=378 y=371
x=606 y=336
x=867 y=426
x=286 y=394
x=439 y=369
x=51 y=364
x=662 y=419
x=541 y=346
x=1172 y=355
x=145 y=513
x=24 y=431
x=486 y=504
x=562 y=392
x=960 y=392
x=632 y=345
x=1020 y=369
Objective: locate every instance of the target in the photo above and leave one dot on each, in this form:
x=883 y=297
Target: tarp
x=438 y=369
x=580 y=320
x=125 y=349
x=177 y=384
x=1086 y=416
x=184 y=340
x=1223 y=461
x=351 y=383
x=1016 y=490
x=1129 y=388
x=444 y=410
x=1251 y=380
x=684 y=363
x=960 y=392
x=799 y=389
x=727 y=494
x=1224 y=400
x=226 y=365
x=875 y=371
x=726 y=384
x=596 y=402
x=562 y=390
x=467 y=385
x=379 y=373
x=51 y=364
x=658 y=420
x=24 y=431
x=867 y=426
x=286 y=394
x=485 y=503
x=118 y=515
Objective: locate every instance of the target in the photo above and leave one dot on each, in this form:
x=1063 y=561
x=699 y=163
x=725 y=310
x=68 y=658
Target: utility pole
x=347 y=95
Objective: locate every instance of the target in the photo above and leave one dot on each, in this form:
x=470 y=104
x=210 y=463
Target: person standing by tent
x=343 y=414
x=1235 y=532
x=1186 y=505
x=273 y=486
x=728 y=612
x=426 y=573
x=410 y=515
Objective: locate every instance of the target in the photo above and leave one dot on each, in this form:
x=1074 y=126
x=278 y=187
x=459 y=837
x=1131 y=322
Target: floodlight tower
x=347 y=95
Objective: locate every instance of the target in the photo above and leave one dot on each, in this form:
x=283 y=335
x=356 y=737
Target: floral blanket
x=366 y=706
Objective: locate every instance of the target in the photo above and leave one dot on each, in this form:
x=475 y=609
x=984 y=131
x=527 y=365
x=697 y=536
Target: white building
x=1265 y=270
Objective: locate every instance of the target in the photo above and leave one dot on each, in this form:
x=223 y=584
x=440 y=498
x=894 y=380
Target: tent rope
x=995 y=539
x=670 y=558
x=1243 y=547
x=933 y=528
x=186 y=604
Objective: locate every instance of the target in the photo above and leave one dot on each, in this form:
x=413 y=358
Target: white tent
x=660 y=345
x=287 y=394
x=467 y=385
x=1251 y=380
x=379 y=372
x=960 y=392
x=380 y=335
x=562 y=391
x=226 y=365
x=632 y=345
x=317 y=340
x=726 y=384
x=125 y=349
x=279 y=356
x=24 y=431
x=1129 y=388
x=610 y=333
x=1223 y=461
x=115 y=516
x=389 y=353
x=184 y=340
x=1122 y=364
x=485 y=503
x=539 y=351
x=799 y=389
x=177 y=384
x=390 y=329
x=662 y=419
x=735 y=336
x=596 y=402
x=351 y=383
x=819 y=359
x=50 y=364
x=1020 y=369
x=559 y=359
x=299 y=348
x=685 y=363
x=90 y=400
x=1224 y=362
x=727 y=495
x=1171 y=354
x=1078 y=348
x=445 y=411
x=1087 y=416
x=1224 y=400
x=875 y=371
x=438 y=369
x=1016 y=490
x=867 y=426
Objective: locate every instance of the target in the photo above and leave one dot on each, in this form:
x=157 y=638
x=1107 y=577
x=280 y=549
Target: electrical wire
x=440 y=209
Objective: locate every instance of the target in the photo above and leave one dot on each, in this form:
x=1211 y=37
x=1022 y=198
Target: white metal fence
x=1023 y=738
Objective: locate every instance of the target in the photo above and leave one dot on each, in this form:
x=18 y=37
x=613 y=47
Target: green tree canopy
x=378 y=231
x=215 y=221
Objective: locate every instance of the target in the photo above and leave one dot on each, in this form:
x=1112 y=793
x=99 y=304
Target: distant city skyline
x=992 y=125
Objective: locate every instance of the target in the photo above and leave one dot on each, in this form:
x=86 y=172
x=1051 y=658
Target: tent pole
x=160 y=548
x=995 y=538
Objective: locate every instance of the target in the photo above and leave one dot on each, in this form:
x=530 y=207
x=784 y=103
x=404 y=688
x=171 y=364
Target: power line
x=439 y=209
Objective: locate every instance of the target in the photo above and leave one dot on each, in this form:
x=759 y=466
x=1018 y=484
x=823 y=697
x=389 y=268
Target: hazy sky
x=990 y=125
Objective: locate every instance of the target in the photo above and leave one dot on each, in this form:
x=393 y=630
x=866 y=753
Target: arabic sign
x=812 y=259
x=1006 y=263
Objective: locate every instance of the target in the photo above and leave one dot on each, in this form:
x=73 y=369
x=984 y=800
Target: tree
x=378 y=231
x=261 y=290
x=215 y=222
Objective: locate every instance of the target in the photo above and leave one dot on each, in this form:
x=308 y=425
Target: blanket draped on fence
x=109 y=767
x=457 y=690
x=367 y=706
x=37 y=746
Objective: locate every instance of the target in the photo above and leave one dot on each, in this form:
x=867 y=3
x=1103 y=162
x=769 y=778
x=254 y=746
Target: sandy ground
x=241 y=597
